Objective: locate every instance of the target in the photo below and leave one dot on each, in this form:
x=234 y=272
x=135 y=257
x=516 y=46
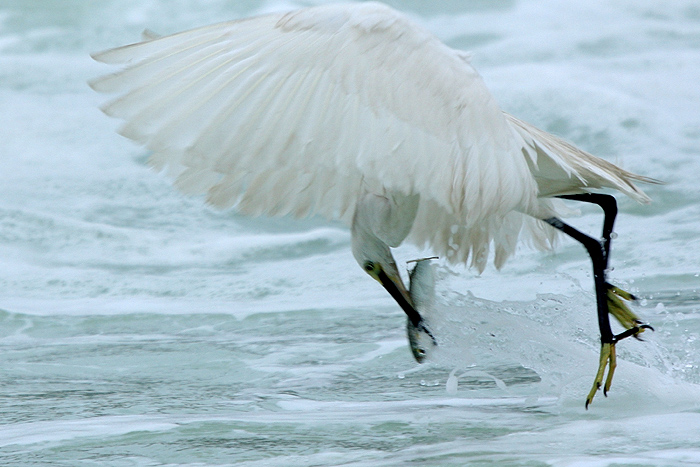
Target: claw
x=619 y=309
x=621 y=293
x=612 y=359
x=633 y=327
x=607 y=354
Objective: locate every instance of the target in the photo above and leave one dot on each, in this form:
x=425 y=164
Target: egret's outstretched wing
x=288 y=113
x=297 y=113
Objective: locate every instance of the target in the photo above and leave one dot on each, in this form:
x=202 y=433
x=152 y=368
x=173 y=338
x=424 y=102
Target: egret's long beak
x=419 y=336
x=395 y=287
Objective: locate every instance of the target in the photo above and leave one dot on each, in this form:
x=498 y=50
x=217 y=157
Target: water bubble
x=613 y=235
x=401 y=376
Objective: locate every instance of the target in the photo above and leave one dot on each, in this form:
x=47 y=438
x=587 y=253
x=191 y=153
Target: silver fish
x=421 y=289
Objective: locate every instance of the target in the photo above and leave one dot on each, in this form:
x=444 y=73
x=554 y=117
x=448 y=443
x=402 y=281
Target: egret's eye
x=369 y=266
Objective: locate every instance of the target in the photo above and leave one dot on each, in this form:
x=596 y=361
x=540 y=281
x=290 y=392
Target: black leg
x=609 y=299
x=609 y=206
x=597 y=253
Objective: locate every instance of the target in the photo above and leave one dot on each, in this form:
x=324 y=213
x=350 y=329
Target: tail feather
x=561 y=168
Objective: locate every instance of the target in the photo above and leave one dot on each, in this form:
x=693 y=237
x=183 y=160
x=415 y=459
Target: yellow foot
x=621 y=311
x=617 y=307
x=607 y=356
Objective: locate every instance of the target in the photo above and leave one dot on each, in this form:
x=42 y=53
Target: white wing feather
x=297 y=113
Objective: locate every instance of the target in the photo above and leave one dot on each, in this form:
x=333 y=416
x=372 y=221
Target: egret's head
x=374 y=256
x=419 y=337
x=387 y=274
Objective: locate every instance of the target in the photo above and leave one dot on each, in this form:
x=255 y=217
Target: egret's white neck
x=382 y=221
x=366 y=245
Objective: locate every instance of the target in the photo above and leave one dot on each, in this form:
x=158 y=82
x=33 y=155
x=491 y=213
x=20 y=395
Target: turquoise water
x=139 y=327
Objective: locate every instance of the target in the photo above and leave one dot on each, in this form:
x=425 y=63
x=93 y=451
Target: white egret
x=353 y=112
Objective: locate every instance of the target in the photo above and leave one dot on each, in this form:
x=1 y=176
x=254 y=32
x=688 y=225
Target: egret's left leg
x=609 y=206
x=617 y=298
x=609 y=298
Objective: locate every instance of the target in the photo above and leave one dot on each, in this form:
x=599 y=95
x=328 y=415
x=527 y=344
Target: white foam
x=62 y=430
x=86 y=229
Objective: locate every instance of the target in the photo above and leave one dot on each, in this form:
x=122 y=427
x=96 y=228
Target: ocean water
x=139 y=327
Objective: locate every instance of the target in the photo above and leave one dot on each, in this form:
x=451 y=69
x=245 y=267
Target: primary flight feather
x=355 y=113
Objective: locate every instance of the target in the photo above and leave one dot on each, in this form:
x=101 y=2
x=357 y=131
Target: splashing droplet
x=452 y=383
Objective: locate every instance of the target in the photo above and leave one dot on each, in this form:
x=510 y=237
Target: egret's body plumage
x=355 y=113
